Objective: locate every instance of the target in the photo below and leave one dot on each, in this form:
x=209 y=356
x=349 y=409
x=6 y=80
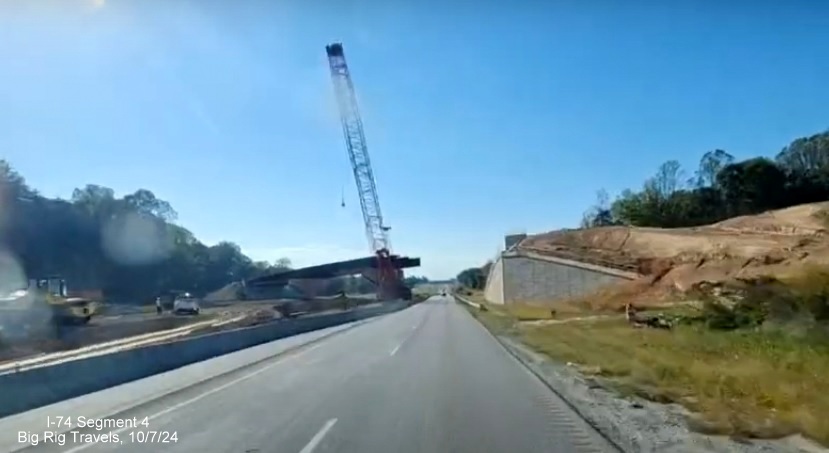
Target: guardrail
x=36 y=387
x=468 y=302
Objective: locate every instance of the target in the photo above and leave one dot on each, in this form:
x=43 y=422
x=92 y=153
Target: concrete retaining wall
x=521 y=277
x=494 y=290
x=32 y=388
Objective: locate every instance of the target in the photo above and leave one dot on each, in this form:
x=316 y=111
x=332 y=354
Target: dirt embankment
x=671 y=261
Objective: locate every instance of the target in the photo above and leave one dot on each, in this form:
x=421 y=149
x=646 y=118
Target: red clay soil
x=775 y=243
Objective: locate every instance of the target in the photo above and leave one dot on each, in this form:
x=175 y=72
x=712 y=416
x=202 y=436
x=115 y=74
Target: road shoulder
x=632 y=423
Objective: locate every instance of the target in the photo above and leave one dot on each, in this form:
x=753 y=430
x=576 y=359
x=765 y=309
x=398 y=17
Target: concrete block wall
x=522 y=276
x=532 y=280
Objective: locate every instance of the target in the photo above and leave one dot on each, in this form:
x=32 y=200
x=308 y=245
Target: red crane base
x=390 y=284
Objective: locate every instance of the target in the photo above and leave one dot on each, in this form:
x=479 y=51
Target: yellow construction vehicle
x=65 y=310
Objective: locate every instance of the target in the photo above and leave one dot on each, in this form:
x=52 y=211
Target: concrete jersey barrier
x=36 y=387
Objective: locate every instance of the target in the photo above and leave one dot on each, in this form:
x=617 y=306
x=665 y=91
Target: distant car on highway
x=186 y=304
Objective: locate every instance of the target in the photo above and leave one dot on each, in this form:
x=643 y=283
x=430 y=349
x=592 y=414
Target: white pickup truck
x=186 y=305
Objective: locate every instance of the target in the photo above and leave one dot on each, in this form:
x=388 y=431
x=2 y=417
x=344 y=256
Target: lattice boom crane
x=389 y=278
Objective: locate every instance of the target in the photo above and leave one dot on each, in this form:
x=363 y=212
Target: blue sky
x=482 y=118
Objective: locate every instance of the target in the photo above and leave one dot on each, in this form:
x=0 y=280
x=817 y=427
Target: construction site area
x=727 y=321
x=44 y=335
x=608 y=267
x=45 y=318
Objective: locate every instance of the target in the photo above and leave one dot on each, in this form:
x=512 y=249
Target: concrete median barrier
x=36 y=387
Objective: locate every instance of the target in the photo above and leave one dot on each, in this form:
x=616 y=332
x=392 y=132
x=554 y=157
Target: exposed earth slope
x=776 y=243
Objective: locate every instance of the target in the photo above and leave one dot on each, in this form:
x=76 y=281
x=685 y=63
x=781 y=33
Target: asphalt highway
x=427 y=379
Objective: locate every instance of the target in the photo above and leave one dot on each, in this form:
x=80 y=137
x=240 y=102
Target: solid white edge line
x=312 y=444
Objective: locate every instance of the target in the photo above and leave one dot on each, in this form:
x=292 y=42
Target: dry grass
x=522 y=312
x=527 y=312
x=744 y=384
x=531 y=312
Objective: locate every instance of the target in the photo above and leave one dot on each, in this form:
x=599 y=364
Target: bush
x=742 y=315
x=474 y=278
x=818 y=305
x=766 y=299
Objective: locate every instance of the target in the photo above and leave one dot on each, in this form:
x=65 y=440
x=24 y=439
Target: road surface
x=427 y=379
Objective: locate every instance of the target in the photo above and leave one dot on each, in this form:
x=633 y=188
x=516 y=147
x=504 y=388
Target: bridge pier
x=388 y=289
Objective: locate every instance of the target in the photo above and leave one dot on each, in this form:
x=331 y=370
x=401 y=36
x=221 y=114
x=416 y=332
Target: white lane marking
x=203 y=395
x=413 y=331
x=318 y=436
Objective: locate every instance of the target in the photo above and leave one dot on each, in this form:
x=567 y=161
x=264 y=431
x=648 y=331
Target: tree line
x=474 y=277
x=130 y=247
x=720 y=188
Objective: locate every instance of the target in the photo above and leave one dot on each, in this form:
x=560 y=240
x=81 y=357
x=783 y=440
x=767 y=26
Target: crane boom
x=388 y=278
x=355 y=140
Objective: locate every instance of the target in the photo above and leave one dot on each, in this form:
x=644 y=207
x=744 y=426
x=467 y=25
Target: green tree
x=474 y=278
x=752 y=186
x=722 y=187
x=127 y=246
x=806 y=155
x=413 y=280
x=711 y=163
x=600 y=214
